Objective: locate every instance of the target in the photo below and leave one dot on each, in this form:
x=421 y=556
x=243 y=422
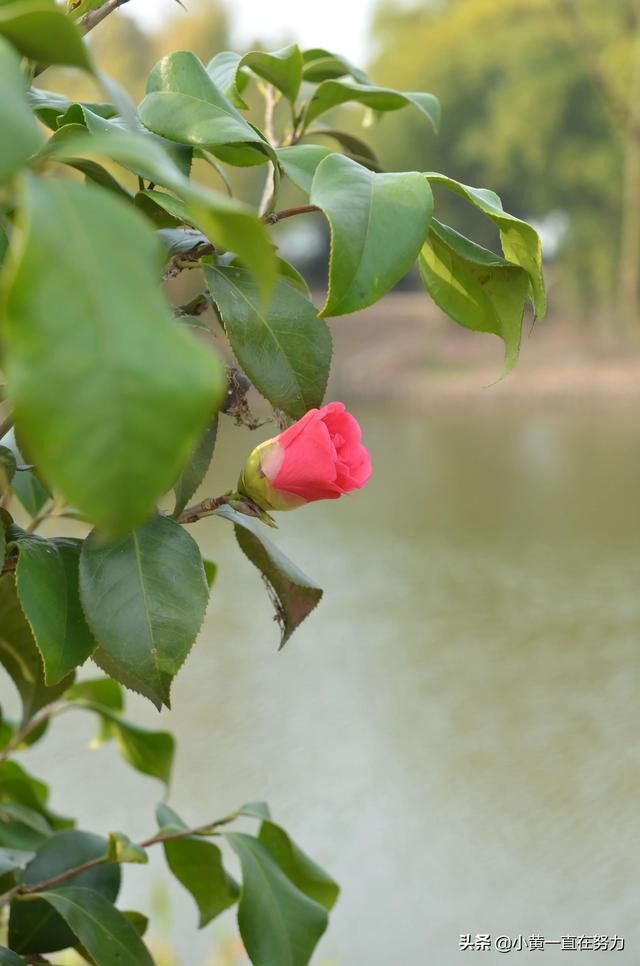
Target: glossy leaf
x=331 y=93
x=520 y=241
x=285 y=350
x=196 y=468
x=223 y=71
x=144 y=596
x=33 y=927
x=293 y=594
x=104 y=932
x=228 y=223
x=278 y=923
x=321 y=64
x=299 y=163
x=183 y=104
x=118 y=351
x=475 y=287
x=197 y=865
x=20 y=137
x=305 y=874
x=378 y=225
x=20 y=656
x=49 y=106
x=282 y=68
x=101 y=691
x=47 y=583
x=40 y=30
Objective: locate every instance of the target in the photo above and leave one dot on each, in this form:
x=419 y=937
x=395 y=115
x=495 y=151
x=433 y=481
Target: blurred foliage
x=522 y=110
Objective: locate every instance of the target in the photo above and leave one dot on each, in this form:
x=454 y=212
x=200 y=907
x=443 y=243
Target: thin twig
x=23 y=889
x=45 y=512
x=92 y=18
x=23 y=733
x=269 y=107
x=203 y=509
x=277 y=216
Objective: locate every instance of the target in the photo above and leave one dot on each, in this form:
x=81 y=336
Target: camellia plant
x=112 y=396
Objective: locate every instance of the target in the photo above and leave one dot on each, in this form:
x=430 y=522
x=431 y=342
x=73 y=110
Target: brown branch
x=92 y=18
x=203 y=509
x=277 y=216
x=22 y=889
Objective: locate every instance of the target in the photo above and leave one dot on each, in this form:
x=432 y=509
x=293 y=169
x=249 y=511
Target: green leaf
x=50 y=107
x=378 y=225
x=282 y=68
x=9 y=958
x=21 y=827
x=475 y=287
x=20 y=136
x=305 y=874
x=321 y=64
x=13 y=859
x=211 y=570
x=229 y=224
x=285 y=350
x=101 y=691
x=104 y=932
x=197 y=865
x=20 y=656
x=278 y=923
x=26 y=485
x=144 y=596
x=112 y=415
x=47 y=583
x=28 y=815
x=259 y=810
x=223 y=71
x=122 y=849
x=18 y=785
x=40 y=30
x=299 y=163
x=331 y=93
x=520 y=242
x=183 y=104
x=33 y=926
x=355 y=147
x=294 y=596
x=149 y=752
x=196 y=468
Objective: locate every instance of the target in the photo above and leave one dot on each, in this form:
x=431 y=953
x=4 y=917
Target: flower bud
x=318 y=458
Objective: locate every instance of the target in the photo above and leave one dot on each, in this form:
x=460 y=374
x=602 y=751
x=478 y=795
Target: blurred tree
x=545 y=93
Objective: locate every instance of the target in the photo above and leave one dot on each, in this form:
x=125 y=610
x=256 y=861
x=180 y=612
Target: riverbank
x=403 y=350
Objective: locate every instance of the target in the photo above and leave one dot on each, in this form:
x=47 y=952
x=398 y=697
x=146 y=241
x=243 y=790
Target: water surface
x=455 y=732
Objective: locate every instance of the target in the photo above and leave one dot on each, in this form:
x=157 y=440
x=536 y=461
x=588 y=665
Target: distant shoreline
x=404 y=351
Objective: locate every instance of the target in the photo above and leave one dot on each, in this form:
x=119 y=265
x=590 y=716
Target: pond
x=454 y=733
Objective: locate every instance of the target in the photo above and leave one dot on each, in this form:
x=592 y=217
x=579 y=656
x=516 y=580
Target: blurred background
x=454 y=733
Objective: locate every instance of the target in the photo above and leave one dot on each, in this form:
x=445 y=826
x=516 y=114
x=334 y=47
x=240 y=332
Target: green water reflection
x=455 y=733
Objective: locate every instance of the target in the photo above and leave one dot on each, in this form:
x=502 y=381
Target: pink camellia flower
x=318 y=458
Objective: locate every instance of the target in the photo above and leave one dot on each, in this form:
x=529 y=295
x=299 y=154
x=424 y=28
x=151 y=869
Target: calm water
x=455 y=733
